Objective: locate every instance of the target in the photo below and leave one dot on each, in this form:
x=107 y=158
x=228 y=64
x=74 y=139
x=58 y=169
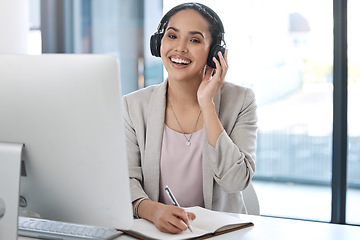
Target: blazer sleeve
x=133 y=152
x=233 y=158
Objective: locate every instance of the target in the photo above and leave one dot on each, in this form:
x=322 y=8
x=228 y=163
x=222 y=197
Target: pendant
x=188 y=143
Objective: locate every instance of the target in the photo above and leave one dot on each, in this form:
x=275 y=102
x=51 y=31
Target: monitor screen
x=66 y=110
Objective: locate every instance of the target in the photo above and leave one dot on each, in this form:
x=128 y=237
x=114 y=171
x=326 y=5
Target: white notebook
x=207 y=224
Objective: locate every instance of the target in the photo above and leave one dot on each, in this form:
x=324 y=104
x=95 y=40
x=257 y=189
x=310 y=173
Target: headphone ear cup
x=155 y=43
x=214 y=53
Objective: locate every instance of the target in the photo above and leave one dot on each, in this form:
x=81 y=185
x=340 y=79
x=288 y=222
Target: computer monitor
x=66 y=110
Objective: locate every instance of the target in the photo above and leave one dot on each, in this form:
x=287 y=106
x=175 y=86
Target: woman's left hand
x=210 y=85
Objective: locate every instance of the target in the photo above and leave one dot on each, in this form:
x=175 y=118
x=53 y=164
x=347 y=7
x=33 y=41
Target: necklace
x=188 y=140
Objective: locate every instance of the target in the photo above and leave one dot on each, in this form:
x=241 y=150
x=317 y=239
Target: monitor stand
x=10 y=163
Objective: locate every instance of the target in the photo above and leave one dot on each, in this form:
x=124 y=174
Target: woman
x=193 y=132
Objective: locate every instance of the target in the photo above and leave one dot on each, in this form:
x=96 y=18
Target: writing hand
x=172 y=219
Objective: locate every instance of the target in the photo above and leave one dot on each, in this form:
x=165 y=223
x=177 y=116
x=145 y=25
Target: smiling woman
x=176 y=135
x=187 y=39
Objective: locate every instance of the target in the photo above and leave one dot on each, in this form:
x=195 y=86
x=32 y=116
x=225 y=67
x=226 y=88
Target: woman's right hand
x=166 y=218
x=172 y=219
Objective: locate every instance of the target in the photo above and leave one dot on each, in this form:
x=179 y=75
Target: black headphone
x=155 y=40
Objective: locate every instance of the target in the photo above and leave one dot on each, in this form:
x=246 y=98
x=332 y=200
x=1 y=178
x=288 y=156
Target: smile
x=180 y=60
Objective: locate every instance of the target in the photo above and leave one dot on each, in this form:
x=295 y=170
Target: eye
x=171 y=35
x=195 y=40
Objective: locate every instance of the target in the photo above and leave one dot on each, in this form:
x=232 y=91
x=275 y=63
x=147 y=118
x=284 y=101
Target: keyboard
x=48 y=229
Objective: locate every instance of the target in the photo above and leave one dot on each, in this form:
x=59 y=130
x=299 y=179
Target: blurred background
x=282 y=49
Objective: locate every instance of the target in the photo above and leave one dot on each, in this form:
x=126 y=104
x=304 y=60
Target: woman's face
x=185 y=45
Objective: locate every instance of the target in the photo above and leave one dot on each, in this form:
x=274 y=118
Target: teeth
x=178 y=60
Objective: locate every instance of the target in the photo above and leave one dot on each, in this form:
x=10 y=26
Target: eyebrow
x=191 y=32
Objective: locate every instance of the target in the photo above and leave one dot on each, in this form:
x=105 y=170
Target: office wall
x=14 y=20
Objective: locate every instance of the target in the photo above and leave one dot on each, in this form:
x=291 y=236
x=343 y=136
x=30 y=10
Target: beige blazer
x=227 y=168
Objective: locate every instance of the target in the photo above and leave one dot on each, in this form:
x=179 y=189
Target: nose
x=181 y=47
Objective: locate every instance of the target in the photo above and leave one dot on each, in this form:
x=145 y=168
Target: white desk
x=283 y=229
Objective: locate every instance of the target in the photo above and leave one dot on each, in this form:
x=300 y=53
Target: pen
x=173 y=200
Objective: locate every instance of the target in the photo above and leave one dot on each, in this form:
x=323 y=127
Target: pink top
x=181 y=168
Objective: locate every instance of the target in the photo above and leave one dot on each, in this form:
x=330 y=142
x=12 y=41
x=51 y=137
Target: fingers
x=174 y=219
x=191 y=216
x=208 y=73
x=225 y=58
x=173 y=226
x=222 y=66
x=179 y=223
x=182 y=218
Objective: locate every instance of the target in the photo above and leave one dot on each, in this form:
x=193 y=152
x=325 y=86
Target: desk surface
x=283 y=229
